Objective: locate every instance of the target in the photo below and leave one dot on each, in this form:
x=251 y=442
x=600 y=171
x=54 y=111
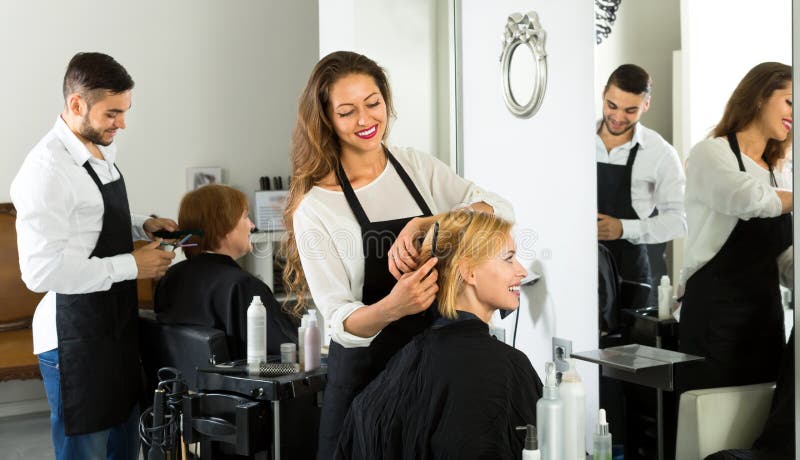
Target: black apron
x=98 y=332
x=351 y=369
x=614 y=199
x=732 y=312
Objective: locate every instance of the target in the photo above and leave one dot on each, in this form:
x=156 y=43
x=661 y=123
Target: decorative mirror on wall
x=524 y=74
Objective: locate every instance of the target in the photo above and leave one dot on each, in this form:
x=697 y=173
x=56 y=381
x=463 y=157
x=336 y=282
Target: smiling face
x=100 y=122
x=496 y=281
x=358 y=113
x=775 y=117
x=622 y=110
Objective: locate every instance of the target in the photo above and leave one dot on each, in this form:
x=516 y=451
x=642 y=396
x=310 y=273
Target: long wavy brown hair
x=316 y=149
x=747 y=101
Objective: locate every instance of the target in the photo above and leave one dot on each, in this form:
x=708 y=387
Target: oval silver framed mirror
x=526 y=32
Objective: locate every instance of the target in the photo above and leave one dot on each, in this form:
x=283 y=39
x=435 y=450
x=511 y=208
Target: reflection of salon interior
x=227 y=96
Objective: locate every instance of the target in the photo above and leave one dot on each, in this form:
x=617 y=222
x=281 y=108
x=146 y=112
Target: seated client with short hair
x=210 y=288
x=454 y=391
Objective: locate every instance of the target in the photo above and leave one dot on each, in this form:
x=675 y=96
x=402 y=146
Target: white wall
x=722 y=40
x=216 y=84
x=545 y=166
x=646 y=33
x=401 y=37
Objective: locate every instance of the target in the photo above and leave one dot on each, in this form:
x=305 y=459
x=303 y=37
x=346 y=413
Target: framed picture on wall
x=198 y=177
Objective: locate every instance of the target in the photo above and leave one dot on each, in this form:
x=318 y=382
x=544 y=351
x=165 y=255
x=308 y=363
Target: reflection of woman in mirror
x=738 y=252
x=453 y=391
x=355 y=207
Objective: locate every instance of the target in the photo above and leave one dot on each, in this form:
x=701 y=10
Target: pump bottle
x=256 y=332
x=312 y=343
x=602 y=438
x=664 y=298
x=573 y=396
x=550 y=418
x=531 y=449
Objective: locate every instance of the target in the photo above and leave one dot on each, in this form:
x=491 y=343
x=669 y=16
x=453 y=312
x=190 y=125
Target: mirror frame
x=524 y=30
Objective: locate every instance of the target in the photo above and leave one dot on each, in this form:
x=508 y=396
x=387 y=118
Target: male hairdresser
x=75 y=238
x=640 y=180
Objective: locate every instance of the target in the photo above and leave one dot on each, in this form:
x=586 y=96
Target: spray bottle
x=602 y=438
x=573 y=396
x=256 y=332
x=550 y=418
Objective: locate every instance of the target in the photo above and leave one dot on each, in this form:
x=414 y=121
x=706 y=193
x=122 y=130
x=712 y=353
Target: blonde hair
x=461 y=237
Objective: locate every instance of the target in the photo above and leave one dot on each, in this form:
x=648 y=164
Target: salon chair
x=715 y=419
x=225 y=423
x=222 y=425
x=184 y=347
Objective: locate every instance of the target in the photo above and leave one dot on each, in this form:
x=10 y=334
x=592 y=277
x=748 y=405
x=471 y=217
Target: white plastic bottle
x=256 y=332
x=573 y=395
x=312 y=343
x=602 y=438
x=550 y=418
x=664 y=298
x=301 y=341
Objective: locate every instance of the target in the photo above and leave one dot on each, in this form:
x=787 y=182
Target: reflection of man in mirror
x=640 y=180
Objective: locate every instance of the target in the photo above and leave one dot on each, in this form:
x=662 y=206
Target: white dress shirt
x=59 y=218
x=328 y=235
x=657 y=181
x=718 y=195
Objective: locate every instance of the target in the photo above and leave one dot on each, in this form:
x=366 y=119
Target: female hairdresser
x=210 y=288
x=354 y=207
x=740 y=234
x=454 y=391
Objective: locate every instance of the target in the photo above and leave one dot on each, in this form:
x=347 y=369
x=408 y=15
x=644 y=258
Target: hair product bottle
x=312 y=343
x=256 y=332
x=301 y=341
x=531 y=449
x=602 y=438
x=573 y=396
x=664 y=298
x=550 y=418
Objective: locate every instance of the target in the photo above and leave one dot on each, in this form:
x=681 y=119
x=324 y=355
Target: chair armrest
x=721 y=418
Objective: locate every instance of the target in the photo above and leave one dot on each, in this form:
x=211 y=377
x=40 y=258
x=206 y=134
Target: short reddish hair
x=215 y=210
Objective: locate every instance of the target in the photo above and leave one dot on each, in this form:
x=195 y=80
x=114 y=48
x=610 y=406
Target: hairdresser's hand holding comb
x=155 y=224
x=151 y=262
x=414 y=292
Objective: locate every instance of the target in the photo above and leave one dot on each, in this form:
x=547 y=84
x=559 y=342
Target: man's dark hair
x=92 y=74
x=630 y=78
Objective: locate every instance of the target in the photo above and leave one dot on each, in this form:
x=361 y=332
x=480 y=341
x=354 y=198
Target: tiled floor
x=26 y=437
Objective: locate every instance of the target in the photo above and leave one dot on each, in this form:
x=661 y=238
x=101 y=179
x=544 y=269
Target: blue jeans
x=120 y=442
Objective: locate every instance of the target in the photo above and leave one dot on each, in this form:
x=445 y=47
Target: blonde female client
x=454 y=391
